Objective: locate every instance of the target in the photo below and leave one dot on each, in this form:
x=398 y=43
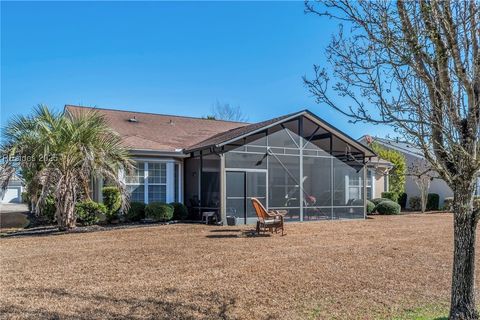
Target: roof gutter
x=146 y=152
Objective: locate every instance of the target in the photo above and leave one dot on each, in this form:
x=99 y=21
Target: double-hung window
x=135 y=181
x=157 y=181
x=148 y=182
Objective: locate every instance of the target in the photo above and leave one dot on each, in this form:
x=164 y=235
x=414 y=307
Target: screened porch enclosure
x=296 y=166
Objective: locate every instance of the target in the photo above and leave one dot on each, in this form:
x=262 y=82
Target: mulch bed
x=365 y=269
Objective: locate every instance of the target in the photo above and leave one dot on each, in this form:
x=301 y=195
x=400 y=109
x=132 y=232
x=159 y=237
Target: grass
x=431 y=312
x=387 y=267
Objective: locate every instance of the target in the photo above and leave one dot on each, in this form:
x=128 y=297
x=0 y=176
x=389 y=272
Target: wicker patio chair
x=271 y=220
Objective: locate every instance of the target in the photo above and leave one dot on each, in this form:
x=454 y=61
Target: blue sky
x=164 y=57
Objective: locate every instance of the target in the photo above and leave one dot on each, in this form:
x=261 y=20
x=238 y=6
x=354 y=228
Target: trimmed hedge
x=112 y=199
x=402 y=200
x=88 y=212
x=370 y=207
x=136 y=212
x=390 y=195
x=159 y=211
x=376 y=201
x=180 y=211
x=433 y=201
x=415 y=203
x=388 y=207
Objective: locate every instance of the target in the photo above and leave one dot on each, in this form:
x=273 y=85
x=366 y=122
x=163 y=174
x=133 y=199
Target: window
x=157 y=182
x=370 y=192
x=354 y=187
x=135 y=182
x=148 y=182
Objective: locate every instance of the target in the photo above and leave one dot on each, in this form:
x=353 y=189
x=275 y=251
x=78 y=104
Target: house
x=13 y=192
x=414 y=157
x=377 y=177
x=297 y=162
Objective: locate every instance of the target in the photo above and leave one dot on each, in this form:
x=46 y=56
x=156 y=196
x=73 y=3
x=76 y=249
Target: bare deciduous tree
x=422 y=175
x=415 y=65
x=224 y=111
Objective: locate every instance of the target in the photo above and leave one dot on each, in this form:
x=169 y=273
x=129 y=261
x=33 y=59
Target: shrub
x=390 y=195
x=159 y=211
x=388 y=207
x=25 y=198
x=402 y=200
x=370 y=207
x=180 y=211
x=376 y=201
x=415 y=203
x=48 y=209
x=112 y=200
x=136 y=211
x=448 y=204
x=433 y=201
x=88 y=212
x=397 y=174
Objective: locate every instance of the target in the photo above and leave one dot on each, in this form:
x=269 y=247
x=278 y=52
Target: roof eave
x=149 y=152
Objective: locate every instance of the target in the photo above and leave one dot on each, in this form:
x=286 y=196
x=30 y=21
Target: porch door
x=242 y=186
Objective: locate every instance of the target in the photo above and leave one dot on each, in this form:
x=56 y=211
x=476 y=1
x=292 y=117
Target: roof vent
x=134 y=119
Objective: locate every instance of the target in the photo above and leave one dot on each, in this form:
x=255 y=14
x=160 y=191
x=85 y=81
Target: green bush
x=370 y=207
x=159 y=211
x=390 y=195
x=25 y=198
x=415 y=203
x=376 y=201
x=180 y=211
x=112 y=199
x=448 y=204
x=402 y=200
x=433 y=201
x=49 y=208
x=397 y=174
x=388 y=207
x=136 y=212
x=88 y=212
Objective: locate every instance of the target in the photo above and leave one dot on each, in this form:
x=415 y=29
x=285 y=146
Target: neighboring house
x=13 y=192
x=377 y=177
x=296 y=162
x=414 y=157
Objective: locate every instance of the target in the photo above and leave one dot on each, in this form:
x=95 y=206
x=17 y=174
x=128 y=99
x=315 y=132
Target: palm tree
x=61 y=153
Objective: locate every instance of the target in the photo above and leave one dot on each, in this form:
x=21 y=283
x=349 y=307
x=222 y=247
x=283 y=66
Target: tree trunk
x=463 y=277
x=65 y=203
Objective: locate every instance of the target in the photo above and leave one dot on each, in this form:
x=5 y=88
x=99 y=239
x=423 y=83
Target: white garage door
x=11 y=195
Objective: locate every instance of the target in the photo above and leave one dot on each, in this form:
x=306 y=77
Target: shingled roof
x=159 y=132
x=167 y=133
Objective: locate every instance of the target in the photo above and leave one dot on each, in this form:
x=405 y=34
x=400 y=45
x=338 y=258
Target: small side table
x=207 y=214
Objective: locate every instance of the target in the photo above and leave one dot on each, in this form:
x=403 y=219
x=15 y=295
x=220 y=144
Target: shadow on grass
x=241 y=234
x=101 y=306
x=226 y=230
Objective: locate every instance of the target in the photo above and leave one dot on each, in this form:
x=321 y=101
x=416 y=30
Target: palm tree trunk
x=463 y=277
x=65 y=205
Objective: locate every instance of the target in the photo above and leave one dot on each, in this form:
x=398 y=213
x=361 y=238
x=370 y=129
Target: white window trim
x=169 y=182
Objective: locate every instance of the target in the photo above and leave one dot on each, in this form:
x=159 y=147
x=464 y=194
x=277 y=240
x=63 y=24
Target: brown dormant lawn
x=371 y=269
